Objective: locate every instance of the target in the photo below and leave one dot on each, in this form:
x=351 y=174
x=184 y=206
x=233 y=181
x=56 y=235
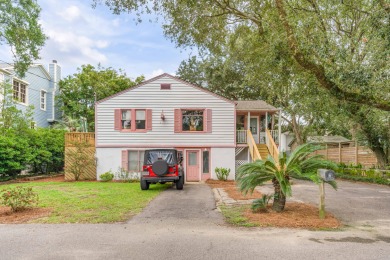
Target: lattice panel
x=89 y=173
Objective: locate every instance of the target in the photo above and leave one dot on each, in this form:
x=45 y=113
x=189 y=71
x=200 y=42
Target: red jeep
x=161 y=166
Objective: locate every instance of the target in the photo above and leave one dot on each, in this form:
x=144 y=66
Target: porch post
x=266 y=120
x=249 y=120
x=280 y=129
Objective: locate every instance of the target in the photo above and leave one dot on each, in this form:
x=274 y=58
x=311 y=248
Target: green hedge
x=41 y=151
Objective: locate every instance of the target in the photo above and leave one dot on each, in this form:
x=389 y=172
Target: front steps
x=263 y=150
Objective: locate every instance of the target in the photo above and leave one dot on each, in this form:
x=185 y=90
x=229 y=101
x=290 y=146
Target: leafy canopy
x=344 y=45
x=19 y=28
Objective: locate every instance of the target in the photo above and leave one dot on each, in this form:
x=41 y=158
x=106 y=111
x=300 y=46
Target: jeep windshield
x=170 y=156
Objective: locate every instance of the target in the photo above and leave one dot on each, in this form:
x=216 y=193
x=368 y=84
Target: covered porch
x=259 y=118
x=258 y=131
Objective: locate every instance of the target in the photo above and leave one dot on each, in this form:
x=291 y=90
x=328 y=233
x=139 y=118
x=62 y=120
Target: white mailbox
x=326 y=174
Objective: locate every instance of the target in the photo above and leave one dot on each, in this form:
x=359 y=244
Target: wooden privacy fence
x=80 y=150
x=355 y=155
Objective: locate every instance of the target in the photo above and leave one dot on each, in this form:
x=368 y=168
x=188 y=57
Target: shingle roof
x=254 y=105
x=328 y=139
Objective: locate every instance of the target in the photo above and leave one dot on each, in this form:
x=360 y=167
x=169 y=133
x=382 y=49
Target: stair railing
x=253 y=150
x=272 y=147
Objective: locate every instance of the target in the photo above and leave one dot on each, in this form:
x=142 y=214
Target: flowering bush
x=19 y=198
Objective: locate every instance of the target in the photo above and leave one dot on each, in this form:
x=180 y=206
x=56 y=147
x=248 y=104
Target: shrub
x=222 y=173
x=107 y=176
x=261 y=204
x=19 y=198
x=126 y=176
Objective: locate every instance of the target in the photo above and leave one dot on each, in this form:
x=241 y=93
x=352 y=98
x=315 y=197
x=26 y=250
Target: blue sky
x=79 y=34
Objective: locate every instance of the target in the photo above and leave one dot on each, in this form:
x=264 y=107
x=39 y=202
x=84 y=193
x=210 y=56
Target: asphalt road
x=186 y=225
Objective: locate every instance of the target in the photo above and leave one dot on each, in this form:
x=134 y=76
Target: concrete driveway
x=185 y=225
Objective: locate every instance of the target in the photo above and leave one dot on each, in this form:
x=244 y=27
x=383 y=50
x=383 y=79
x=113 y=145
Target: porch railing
x=275 y=135
x=272 y=147
x=241 y=136
x=253 y=150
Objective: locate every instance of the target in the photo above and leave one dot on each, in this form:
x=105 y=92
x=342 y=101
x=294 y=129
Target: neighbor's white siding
x=150 y=96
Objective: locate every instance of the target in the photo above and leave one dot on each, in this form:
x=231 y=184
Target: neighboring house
x=288 y=142
x=208 y=130
x=37 y=88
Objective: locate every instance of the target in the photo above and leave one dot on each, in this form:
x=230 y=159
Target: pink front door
x=192 y=166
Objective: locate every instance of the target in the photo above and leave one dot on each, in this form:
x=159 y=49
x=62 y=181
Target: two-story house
x=208 y=130
x=37 y=88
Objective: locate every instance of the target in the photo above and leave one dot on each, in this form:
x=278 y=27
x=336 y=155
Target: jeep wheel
x=180 y=183
x=144 y=185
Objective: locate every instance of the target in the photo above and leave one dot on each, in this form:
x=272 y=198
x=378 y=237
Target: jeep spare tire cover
x=160 y=167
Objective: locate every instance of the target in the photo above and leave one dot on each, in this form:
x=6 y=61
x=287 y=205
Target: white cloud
x=81 y=35
x=155 y=73
x=71 y=13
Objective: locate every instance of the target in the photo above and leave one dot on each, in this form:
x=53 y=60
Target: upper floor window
x=43 y=100
x=133 y=119
x=192 y=120
x=140 y=119
x=126 y=119
x=19 y=91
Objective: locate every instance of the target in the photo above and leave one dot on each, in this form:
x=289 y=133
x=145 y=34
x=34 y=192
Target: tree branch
x=319 y=71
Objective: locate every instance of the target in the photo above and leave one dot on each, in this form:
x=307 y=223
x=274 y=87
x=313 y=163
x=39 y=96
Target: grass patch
x=234 y=215
x=90 y=202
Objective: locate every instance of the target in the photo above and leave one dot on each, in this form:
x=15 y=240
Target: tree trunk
x=279 y=198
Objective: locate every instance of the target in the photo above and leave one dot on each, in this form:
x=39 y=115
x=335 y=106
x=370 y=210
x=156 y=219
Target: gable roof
x=254 y=105
x=169 y=76
x=10 y=67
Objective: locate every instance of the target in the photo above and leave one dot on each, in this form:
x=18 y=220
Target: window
x=126 y=119
x=192 y=120
x=206 y=155
x=43 y=100
x=140 y=119
x=135 y=161
x=240 y=122
x=19 y=91
x=133 y=119
x=33 y=125
x=165 y=86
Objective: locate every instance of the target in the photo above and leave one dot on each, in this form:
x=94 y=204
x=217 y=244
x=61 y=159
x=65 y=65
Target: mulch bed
x=24 y=216
x=232 y=190
x=295 y=215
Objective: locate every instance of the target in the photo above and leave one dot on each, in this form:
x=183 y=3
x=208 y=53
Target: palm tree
x=300 y=163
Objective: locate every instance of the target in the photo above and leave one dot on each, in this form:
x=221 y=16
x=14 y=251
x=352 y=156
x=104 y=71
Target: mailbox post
x=325 y=175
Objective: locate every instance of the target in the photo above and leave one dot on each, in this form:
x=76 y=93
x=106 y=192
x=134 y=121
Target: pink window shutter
x=148 y=119
x=125 y=160
x=177 y=121
x=117 y=120
x=209 y=117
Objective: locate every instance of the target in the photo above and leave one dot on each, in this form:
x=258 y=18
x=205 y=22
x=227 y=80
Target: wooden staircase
x=263 y=150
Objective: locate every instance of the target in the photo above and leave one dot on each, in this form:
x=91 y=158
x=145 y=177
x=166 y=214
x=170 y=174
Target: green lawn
x=91 y=202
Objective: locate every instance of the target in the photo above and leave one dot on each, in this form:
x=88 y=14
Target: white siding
x=223 y=157
x=109 y=159
x=149 y=96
